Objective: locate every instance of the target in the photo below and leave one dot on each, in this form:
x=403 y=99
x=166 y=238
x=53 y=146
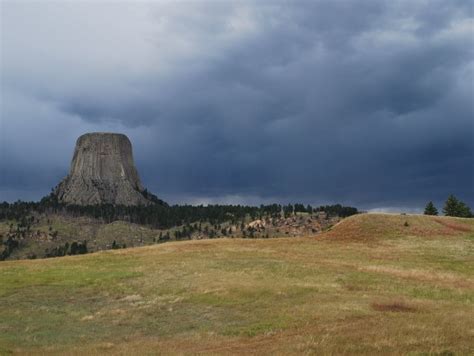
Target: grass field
x=369 y=285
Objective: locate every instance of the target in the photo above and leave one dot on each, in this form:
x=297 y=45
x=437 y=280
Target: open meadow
x=373 y=283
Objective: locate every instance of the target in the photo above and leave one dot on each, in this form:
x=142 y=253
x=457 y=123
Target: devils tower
x=103 y=172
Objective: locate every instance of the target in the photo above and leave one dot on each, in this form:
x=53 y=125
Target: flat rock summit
x=103 y=172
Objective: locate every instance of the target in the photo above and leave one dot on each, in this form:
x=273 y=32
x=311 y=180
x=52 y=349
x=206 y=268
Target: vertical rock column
x=102 y=172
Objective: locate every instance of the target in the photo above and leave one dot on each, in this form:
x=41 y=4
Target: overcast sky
x=368 y=103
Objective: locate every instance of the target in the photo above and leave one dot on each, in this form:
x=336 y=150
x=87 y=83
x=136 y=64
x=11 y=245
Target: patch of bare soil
x=397 y=307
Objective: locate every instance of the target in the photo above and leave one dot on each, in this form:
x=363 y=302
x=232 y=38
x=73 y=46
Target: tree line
x=163 y=216
x=452 y=207
x=75 y=248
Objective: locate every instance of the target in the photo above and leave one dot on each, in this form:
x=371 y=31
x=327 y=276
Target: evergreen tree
x=451 y=206
x=454 y=207
x=464 y=211
x=74 y=248
x=430 y=209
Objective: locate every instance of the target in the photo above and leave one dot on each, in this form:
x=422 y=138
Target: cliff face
x=102 y=172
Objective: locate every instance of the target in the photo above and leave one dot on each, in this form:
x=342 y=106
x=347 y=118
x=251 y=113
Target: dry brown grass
x=370 y=227
x=454 y=225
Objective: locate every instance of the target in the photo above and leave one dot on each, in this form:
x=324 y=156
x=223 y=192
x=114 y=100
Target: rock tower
x=103 y=172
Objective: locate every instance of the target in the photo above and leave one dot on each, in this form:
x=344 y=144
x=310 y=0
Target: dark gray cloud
x=366 y=103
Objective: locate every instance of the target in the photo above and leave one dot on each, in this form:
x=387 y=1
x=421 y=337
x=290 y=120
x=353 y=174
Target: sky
x=364 y=103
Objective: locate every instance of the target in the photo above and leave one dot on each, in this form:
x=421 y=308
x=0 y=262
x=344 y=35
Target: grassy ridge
x=369 y=285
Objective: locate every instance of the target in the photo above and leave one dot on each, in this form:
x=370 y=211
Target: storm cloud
x=367 y=103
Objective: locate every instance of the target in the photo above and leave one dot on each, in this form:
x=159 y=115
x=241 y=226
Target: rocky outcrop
x=103 y=172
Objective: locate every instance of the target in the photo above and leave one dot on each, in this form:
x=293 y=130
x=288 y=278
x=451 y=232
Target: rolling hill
x=373 y=283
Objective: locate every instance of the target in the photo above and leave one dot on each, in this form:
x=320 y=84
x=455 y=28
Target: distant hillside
x=52 y=235
x=373 y=284
x=51 y=229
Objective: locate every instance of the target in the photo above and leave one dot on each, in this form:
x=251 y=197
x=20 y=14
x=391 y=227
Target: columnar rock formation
x=103 y=172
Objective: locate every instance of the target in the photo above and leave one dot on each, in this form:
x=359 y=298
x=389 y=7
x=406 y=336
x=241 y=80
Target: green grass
x=370 y=285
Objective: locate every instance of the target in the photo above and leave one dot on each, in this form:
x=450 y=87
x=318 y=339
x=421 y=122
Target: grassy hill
x=372 y=284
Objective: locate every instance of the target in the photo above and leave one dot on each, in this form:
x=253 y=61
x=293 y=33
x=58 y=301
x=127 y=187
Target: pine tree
x=451 y=206
x=463 y=210
x=74 y=248
x=430 y=209
x=455 y=207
